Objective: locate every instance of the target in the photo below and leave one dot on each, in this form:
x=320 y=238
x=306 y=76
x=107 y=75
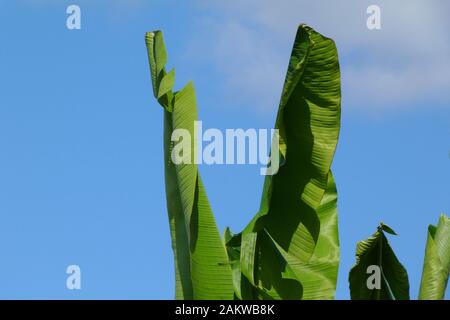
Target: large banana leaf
x=376 y=251
x=201 y=264
x=436 y=265
x=290 y=249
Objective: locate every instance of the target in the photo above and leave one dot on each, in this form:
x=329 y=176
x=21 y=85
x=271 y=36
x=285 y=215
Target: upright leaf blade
x=178 y=232
x=184 y=115
x=210 y=270
x=376 y=251
x=436 y=265
x=202 y=270
x=293 y=208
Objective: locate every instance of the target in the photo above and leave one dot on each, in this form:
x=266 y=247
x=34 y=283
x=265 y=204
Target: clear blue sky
x=81 y=170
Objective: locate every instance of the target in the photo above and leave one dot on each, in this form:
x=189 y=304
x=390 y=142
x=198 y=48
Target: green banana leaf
x=290 y=250
x=436 y=265
x=202 y=270
x=393 y=279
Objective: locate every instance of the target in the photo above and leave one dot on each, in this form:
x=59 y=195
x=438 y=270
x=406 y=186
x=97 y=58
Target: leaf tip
x=386 y=228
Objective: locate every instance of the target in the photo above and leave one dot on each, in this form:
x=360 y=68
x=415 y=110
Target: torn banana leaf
x=202 y=270
x=295 y=233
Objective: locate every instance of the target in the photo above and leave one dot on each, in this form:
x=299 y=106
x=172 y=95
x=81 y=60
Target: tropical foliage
x=436 y=267
x=290 y=249
x=376 y=251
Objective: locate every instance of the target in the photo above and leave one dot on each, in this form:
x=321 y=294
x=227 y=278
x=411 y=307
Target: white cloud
x=404 y=63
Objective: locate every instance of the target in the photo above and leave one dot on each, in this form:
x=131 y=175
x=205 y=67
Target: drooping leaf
x=298 y=207
x=202 y=270
x=436 y=265
x=377 y=273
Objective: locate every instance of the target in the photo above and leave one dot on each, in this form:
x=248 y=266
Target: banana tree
x=268 y=259
x=290 y=249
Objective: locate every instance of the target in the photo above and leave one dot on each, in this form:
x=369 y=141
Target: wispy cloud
x=401 y=66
